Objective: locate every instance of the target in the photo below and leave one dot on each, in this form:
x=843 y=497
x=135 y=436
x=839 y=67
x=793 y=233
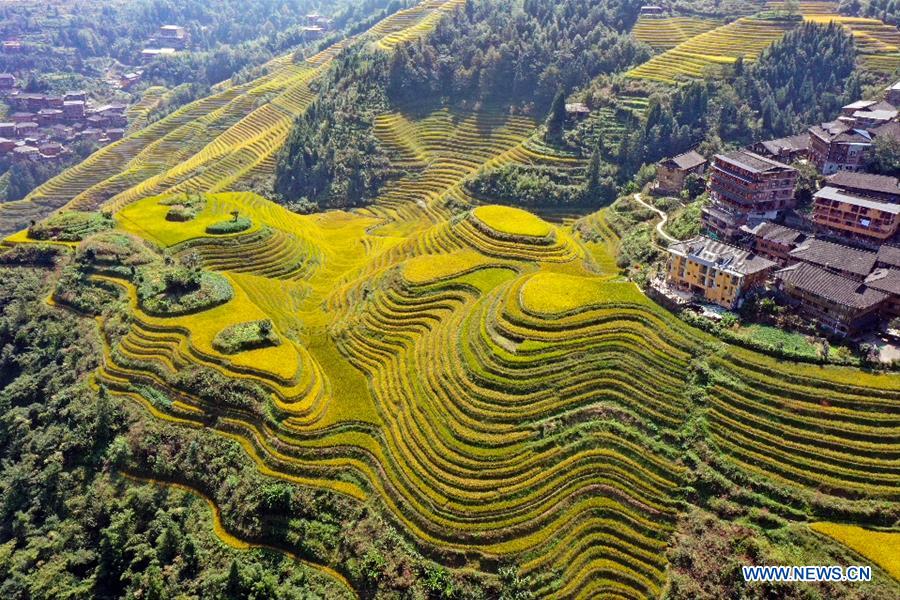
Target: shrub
x=71 y=226
x=179 y=290
x=40 y=255
x=246 y=336
x=226 y=227
x=180 y=213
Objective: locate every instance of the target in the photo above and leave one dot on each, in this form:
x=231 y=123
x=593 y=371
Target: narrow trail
x=664 y=219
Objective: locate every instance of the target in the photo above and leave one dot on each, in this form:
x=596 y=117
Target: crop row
x=667 y=32
x=712 y=50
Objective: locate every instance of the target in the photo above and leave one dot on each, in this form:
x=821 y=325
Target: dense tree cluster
x=886 y=10
x=332 y=157
x=803 y=79
x=510 y=51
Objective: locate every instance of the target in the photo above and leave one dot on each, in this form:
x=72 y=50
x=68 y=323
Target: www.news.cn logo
x=807 y=573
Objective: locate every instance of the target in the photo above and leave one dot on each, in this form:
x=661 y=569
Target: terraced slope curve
x=709 y=52
x=496 y=396
x=663 y=33
x=210 y=144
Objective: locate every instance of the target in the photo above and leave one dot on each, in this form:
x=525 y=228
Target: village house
x=8 y=130
x=786 y=150
x=671 y=173
x=852 y=216
x=74 y=110
x=652 y=11
x=839 y=304
x=129 y=79
x=12 y=47
x=317 y=20
x=892 y=94
x=888 y=257
x=7 y=82
x=867 y=185
x=774 y=241
x=174 y=36
x=887 y=281
x=745 y=189
x=715 y=271
x=149 y=54
x=838 y=146
x=577 y=111
x=22 y=117
x=22 y=153
x=837 y=258
x=25 y=129
x=7 y=145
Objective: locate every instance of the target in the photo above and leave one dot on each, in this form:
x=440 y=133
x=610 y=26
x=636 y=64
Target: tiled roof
x=688 y=160
x=835 y=256
x=889 y=255
x=885 y=280
x=792 y=143
x=725 y=257
x=881 y=184
x=779 y=234
x=831 y=287
x=840 y=132
x=751 y=161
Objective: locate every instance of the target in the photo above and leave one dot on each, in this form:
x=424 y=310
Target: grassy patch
x=71 y=226
x=246 y=336
x=227 y=227
x=180 y=291
x=766 y=336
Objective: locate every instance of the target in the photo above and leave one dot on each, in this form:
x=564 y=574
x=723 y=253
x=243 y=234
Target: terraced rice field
x=710 y=52
x=211 y=144
x=877 y=42
x=427 y=142
x=881 y=547
x=663 y=33
x=487 y=382
x=481 y=375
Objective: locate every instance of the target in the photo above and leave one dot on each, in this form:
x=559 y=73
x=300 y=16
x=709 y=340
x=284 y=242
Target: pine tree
x=556 y=120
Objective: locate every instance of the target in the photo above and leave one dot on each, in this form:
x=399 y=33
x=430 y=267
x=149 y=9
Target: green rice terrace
x=483 y=376
x=694 y=47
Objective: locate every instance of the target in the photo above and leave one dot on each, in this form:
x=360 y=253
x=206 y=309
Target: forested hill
x=505 y=54
x=517 y=52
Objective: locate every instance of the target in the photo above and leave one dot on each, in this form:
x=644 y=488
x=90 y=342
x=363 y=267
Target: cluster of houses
x=838 y=264
x=40 y=125
x=167 y=41
x=316 y=26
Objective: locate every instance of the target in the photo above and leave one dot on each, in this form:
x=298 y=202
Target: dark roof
x=752 y=162
x=793 y=143
x=885 y=280
x=831 y=287
x=889 y=255
x=835 y=256
x=891 y=129
x=688 y=160
x=723 y=256
x=882 y=184
x=840 y=132
x=779 y=234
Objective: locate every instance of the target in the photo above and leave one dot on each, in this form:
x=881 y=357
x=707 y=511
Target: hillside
x=430 y=396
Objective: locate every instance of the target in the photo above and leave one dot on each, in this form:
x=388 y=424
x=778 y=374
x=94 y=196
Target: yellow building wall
x=721 y=289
